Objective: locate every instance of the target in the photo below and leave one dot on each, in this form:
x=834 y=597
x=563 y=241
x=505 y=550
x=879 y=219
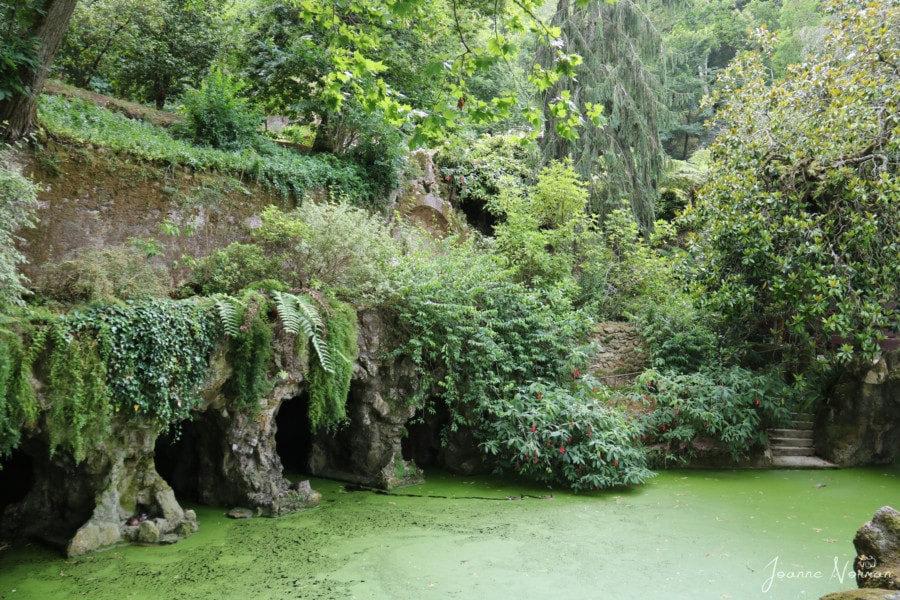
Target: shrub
x=333 y=246
x=730 y=407
x=231 y=269
x=216 y=116
x=563 y=436
x=102 y=275
x=676 y=336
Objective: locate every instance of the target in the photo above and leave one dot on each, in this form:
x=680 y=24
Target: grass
x=287 y=172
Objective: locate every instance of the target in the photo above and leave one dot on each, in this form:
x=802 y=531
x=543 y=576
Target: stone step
x=801 y=462
x=790 y=442
x=805 y=425
x=792 y=451
x=791 y=433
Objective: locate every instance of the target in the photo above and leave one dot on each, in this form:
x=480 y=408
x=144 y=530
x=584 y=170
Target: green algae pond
x=684 y=535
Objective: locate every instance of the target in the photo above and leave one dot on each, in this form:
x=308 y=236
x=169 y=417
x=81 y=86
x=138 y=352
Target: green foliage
x=155 y=351
x=290 y=174
x=474 y=333
x=331 y=246
x=250 y=347
x=18 y=46
x=621 y=272
x=328 y=389
x=563 y=436
x=143 y=359
x=542 y=226
x=231 y=269
x=731 y=407
x=102 y=275
x=216 y=116
x=147 y=51
x=18 y=197
x=300 y=316
x=800 y=221
x=18 y=403
x=676 y=336
x=79 y=411
x=481 y=169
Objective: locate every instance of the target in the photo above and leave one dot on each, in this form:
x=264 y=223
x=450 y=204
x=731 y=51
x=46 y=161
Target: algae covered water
x=685 y=534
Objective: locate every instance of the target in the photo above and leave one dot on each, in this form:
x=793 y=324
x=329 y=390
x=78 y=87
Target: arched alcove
x=422 y=442
x=293 y=435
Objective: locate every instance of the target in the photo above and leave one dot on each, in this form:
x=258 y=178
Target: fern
x=299 y=315
x=229 y=314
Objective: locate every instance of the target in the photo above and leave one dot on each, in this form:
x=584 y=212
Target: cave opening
x=177 y=458
x=424 y=434
x=293 y=434
x=16 y=478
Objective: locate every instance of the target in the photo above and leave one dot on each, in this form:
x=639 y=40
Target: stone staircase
x=793 y=448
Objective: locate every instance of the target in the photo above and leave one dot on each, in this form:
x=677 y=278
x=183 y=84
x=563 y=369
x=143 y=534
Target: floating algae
x=686 y=534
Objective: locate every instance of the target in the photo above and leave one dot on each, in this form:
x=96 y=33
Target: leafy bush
x=102 y=275
x=474 y=334
x=216 y=116
x=231 y=269
x=730 y=407
x=621 y=273
x=676 y=336
x=800 y=216
x=333 y=246
x=563 y=436
x=542 y=226
x=17 y=201
x=479 y=170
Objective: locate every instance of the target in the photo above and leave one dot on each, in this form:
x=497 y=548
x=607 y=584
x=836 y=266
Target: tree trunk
x=17 y=112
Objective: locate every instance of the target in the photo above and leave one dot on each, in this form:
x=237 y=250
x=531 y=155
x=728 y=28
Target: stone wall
x=620 y=357
x=860 y=421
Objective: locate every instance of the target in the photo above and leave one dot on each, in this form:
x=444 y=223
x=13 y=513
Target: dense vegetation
x=778 y=259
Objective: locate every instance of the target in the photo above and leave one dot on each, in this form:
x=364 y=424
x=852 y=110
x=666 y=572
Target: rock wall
x=620 y=357
x=223 y=457
x=860 y=421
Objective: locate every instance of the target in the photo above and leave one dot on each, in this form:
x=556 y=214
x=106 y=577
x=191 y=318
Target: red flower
x=535 y=461
x=615 y=463
x=757 y=401
x=589 y=433
x=562 y=450
x=570 y=439
x=548 y=444
x=663 y=427
x=676 y=411
x=576 y=374
x=533 y=429
x=540 y=396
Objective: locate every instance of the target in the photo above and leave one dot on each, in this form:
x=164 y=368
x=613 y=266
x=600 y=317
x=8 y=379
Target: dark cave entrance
x=423 y=440
x=177 y=459
x=293 y=434
x=16 y=478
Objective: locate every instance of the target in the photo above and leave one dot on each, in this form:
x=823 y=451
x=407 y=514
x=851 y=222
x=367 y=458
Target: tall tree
x=41 y=25
x=623 y=159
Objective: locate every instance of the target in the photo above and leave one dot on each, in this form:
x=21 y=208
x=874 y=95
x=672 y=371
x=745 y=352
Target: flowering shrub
x=566 y=437
x=728 y=408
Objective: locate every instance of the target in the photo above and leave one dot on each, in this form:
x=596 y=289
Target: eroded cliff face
x=860 y=422
x=127 y=489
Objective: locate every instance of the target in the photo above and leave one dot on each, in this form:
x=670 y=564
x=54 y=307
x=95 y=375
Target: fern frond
x=229 y=313
x=299 y=315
